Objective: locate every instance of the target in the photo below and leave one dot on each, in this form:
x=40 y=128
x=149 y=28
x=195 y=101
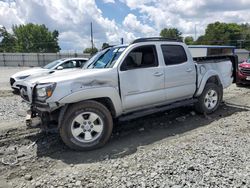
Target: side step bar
x=145 y=112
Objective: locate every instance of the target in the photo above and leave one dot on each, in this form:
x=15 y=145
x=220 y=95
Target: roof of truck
x=210 y=46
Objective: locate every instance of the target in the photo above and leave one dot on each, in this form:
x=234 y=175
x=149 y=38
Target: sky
x=116 y=19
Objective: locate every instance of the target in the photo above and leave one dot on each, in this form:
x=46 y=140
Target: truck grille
x=245 y=71
x=12 y=81
x=23 y=93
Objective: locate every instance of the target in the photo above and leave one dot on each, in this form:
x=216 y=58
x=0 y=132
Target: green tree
x=8 y=41
x=35 y=38
x=189 y=40
x=105 y=45
x=90 y=50
x=201 y=40
x=172 y=33
x=245 y=36
x=221 y=34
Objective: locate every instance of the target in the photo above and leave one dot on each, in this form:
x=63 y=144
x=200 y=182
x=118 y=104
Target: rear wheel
x=87 y=125
x=210 y=99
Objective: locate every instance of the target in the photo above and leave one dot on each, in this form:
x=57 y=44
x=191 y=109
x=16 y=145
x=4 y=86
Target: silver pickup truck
x=125 y=82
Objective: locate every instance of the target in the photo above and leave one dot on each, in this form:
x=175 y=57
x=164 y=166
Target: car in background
x=243 y=75
x=60 y=64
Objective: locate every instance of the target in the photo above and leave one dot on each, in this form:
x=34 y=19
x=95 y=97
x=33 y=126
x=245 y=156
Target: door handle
x=158 y=74
x=189 y=70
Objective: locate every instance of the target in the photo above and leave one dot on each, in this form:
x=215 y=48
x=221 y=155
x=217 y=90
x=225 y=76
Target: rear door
x=180 y=73
x=141 y=78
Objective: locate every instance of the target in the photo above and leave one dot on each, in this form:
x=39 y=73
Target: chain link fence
x=34 y=59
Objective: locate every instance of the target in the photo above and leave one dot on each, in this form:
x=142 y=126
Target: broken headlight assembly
x=44 y=91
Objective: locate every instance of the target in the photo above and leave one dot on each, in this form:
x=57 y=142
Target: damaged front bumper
x=40 y=112
x=32 y=122
x=41 y=115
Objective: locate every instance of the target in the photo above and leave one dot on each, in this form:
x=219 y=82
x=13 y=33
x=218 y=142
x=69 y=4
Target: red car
x=243 y=75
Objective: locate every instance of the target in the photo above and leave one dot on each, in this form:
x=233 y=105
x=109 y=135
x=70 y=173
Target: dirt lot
x=176 y=148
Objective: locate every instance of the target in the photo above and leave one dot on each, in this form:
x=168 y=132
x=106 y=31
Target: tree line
x=29 y=38
x=217 y=33
x=38 y=38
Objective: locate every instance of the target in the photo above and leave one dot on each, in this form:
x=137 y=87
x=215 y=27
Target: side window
x=173 y=54
x=141 y=57
x=80 y=63
x=69 y=64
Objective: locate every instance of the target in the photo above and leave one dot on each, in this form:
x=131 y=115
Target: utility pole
x=91 y=34
x=195 y=32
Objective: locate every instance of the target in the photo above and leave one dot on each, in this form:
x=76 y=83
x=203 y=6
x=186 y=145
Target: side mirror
x=59 y=68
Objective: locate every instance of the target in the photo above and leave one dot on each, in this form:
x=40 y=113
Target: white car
x=61 y=64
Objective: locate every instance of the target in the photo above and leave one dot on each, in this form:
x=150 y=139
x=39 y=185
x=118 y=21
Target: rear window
x=173 y=54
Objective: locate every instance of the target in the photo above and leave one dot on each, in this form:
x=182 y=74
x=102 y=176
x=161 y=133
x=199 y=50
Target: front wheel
x=210 y=99
x=86 y=125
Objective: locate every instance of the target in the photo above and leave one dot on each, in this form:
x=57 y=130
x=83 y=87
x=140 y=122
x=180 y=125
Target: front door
x=141 y=78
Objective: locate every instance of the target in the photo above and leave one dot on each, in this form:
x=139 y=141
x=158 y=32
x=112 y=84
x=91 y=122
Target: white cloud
x=184 y=14
x=109 y=1
x=132 y=24
x=72 y=19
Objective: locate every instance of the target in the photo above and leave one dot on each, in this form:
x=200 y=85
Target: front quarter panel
x=103 y=83
x=93 y=93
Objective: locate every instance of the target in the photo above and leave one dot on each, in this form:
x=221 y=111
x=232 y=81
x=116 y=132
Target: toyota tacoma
x=125 y=82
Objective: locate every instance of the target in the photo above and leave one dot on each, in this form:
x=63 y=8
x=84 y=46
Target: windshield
x=93 y=59
x=108 y=58
x=248 y=61
x=52 y=64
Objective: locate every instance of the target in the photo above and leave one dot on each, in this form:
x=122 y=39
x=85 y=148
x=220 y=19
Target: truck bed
x=219 y=59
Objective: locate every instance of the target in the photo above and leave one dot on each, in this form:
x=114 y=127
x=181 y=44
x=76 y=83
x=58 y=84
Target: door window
x=80 y=63
x=140 y=57
x=173 y=54
x=69 y=64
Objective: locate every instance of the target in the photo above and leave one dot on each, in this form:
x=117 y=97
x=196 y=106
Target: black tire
x=77 y=109
x=200 y=106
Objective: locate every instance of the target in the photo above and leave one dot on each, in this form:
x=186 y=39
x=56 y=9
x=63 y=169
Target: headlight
x=22 y=77
x=44 y=91
x=41 y=92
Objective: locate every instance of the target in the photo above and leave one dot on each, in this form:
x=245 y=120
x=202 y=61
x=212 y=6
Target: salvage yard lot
x=176 y=148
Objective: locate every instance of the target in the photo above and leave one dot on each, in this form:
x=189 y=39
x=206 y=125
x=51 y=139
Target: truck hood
x=63 y=76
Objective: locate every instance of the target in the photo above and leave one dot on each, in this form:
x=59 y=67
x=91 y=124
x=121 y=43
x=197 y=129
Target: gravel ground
x=177 y=148
x=214 y=156
x=12 y=108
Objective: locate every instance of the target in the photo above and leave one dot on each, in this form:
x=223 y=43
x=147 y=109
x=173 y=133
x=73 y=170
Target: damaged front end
x=40 y=112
